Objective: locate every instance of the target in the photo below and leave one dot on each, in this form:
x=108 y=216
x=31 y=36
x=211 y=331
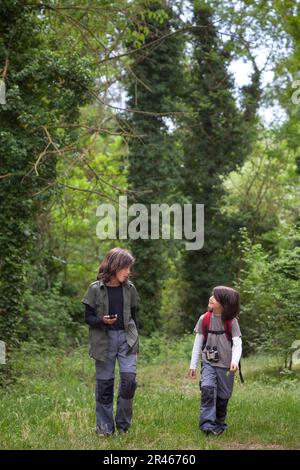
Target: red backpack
x=206 y=325
x=227 y=324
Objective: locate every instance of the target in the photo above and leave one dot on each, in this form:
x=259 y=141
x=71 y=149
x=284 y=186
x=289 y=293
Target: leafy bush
x=270 y=295
x=49 y=319
x=160 y=348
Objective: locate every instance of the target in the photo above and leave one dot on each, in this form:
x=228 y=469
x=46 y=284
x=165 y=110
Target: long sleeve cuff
x=236 y=349
x=197 y=349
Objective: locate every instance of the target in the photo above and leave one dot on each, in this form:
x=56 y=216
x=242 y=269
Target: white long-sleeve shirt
x=197 y=350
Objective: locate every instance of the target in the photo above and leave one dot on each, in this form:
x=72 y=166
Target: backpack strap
x=240 y=373
x=205 y=327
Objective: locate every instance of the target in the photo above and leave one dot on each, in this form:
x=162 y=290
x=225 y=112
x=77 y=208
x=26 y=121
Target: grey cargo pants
x=216 y=388
x=104 y=393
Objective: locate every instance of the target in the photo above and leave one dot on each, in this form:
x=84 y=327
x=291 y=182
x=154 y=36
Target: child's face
x=214 y=305
x=123 y=274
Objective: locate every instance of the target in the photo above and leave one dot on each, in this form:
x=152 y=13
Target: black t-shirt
x=115 y=302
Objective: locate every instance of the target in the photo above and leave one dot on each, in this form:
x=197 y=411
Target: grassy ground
x=52 y=406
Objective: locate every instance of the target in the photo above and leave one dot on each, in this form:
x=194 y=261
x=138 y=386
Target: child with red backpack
x=218 y=340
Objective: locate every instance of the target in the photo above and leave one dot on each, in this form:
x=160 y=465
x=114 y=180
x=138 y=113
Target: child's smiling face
x=214 y=305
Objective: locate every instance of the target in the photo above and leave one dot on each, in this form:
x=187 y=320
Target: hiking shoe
x=217 y=432
x=101 y=433
x=123 y=431
x=214 y=432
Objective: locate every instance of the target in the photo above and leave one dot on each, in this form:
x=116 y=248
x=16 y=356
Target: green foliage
x=172 y=316
x=100 y=177
x=52 y=319
x=153 y=158
x=160 y=348
x=216 y=139
x=44 y=86
x=265 y=190
x=270 y=313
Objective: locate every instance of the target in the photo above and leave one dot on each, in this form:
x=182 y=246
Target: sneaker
x=217 y=432
x=102 y=433
x=123 y=431
x=214 y=432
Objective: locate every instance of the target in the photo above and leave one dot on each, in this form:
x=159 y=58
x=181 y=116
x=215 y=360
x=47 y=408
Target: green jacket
x=97 y=297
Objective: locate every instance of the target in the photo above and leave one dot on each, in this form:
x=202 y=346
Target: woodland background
x=164 y=102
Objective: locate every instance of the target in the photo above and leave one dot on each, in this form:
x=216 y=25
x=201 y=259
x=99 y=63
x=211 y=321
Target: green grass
x=52 y=406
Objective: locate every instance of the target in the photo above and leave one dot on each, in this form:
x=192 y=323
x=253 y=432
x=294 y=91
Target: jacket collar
x=126 y=284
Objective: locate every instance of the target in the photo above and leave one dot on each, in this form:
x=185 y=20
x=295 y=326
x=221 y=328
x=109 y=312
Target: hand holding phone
x=110 y=319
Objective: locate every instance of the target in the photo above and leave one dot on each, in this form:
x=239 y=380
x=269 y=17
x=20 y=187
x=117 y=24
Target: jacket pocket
x=98 y=343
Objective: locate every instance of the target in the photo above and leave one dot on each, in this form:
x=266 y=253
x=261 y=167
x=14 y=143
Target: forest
x=165 y=102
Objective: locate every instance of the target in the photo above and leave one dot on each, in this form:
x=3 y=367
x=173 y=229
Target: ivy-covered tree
x=45 y=85
x=152 y=87
x=217 y=138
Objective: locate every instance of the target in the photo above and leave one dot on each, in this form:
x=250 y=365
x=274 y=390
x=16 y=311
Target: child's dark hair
x=115 y=260
x=229 y=298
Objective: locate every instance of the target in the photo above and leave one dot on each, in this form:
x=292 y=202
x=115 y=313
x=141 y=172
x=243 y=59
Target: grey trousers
x=216 y=388
x=104 y=393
